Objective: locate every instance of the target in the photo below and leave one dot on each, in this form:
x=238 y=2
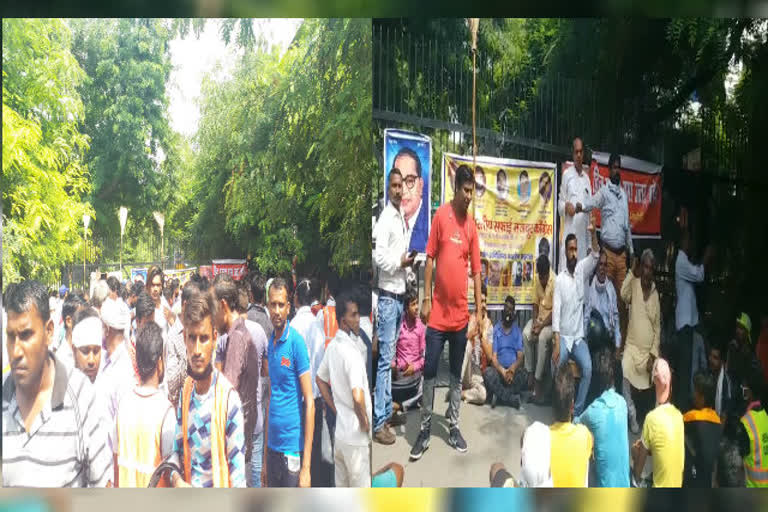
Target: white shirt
x=575 y=189
x=391 y=243
x=343 y=368
x=160 y=317
x=568 y=307
x=686 y=275
x=115 y=377
x=306 y=324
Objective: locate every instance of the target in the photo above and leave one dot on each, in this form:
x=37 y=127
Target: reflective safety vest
x=330 y=325
x=217 y=426
x=756 y=462
x=139 y=429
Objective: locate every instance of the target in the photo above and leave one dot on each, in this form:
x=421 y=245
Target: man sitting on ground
x=537 y=334
x=409 y=358
x=507 y=377
x=571 y=445
x=606 y=419
x=534 y=461
x=663 y=436
x=702 y=434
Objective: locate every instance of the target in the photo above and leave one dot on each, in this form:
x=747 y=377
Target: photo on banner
x=515 y=215
x=411 y=153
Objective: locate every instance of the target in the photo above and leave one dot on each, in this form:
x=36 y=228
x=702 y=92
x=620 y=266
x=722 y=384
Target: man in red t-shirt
x=454 y=244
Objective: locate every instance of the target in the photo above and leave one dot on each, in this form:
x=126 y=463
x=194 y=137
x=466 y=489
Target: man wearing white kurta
x=575 y=189
x=567 y=316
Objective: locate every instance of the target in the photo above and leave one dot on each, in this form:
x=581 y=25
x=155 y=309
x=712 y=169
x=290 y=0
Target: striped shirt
x=201 y=413
x=66 y=446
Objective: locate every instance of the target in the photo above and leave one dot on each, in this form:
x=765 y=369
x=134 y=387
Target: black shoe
x=421 y=444
x=493 y=402
x=515 y=402
x=456 y=440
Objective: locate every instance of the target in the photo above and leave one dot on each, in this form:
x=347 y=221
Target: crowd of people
x=222 y=383
x=631 y=406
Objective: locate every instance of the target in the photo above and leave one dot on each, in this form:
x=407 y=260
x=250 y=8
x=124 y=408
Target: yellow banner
x=514 y=210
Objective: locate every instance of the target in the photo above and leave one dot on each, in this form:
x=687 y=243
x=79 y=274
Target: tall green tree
x=128 y=65
x=288 y=140
x=45 y=175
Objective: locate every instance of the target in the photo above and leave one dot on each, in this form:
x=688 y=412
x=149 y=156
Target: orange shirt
x=453 y=244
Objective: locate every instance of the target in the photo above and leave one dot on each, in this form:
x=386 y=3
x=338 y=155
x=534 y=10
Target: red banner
x=643 y=195
x=235 y=268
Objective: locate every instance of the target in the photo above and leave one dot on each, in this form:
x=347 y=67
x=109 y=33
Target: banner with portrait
x=411 y=154
x=514 y=210
x=182 y=274
x=641 y=181
x=139 y=274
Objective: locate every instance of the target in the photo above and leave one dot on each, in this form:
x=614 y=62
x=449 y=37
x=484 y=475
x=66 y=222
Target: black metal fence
x=421 y=85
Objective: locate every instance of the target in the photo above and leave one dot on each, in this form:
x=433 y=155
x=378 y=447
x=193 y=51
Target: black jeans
x=457 y=346
x=278 y=473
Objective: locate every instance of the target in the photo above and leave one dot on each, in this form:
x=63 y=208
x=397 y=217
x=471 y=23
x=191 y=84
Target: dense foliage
x=280 y=165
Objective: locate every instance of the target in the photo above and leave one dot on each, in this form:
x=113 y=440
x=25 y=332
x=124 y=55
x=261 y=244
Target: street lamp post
x=86 y=221
x=123 y=217
x=160 y=218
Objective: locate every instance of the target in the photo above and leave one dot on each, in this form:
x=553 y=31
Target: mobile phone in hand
x=412 y=254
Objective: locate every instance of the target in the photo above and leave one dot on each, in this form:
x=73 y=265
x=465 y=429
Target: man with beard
x=537 y=334
x=453 y=243
x=568 y=311
x=576 y=189
x=289 y=434
x=601 y=297
x=52 y=436
x=392 y=259
x=506 y=377
x=175 y=355
x=415 y=209
x=644 y=334
x=210 y=431
x=615 y=230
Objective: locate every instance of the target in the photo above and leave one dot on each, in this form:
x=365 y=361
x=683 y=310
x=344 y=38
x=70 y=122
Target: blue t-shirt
x=506 y=346
x=288 y=359
x=606 y=418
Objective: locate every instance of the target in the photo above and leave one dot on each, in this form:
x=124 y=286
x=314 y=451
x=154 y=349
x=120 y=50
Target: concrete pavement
x=492 y=435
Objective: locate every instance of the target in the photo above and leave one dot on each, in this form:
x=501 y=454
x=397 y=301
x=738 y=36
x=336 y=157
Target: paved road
x=492 y=435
